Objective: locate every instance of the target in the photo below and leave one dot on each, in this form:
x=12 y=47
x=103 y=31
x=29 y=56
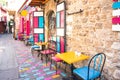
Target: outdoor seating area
x=89 y=72
x=60 y=40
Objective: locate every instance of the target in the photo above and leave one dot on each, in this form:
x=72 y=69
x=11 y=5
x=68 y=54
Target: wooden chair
x=93 y=70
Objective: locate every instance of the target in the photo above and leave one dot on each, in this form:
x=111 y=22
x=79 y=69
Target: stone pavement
x=17 y=62
x=8 y=61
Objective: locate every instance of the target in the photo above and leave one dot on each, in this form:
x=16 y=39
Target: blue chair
x=31 y=40
x=35 y=47
x=93 y=70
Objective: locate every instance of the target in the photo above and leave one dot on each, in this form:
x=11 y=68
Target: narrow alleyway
x=17 y=62
x=8 y=61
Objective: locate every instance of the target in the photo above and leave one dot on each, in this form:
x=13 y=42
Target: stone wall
x=89 y=29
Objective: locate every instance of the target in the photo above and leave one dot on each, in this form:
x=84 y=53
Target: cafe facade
x=85 y=26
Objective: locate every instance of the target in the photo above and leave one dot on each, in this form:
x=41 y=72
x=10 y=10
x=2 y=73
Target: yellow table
x=41 y=43
x=70 y=58
x=26 y=37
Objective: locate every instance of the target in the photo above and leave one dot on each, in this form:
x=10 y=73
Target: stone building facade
x=89 y=29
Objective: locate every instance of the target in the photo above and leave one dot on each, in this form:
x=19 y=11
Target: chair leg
x=51 y=64
x=60 y=64
x=75 y=77
x=46 y=59
x=56 y=67
x=65 y=66
x=32 y=51
x=39 y=53
x=42 y=57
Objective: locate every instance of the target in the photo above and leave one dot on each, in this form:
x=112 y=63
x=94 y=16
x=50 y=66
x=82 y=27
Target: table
x=41 y=43
x=70 y=58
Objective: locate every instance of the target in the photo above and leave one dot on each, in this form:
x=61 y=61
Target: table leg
x=71 y=67
x=43 y=47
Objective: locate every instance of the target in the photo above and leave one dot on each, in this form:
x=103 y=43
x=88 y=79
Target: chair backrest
x=31 y=38
x=97 y=63
x=52 y=45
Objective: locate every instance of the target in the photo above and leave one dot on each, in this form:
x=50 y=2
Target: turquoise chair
x=93 y=70
x=35 y=47
x=31 y=40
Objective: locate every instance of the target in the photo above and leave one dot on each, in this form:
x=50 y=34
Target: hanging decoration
x=24 y=13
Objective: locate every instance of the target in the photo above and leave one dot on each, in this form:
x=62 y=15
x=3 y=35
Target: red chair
x=56 y=60
x=50 y=50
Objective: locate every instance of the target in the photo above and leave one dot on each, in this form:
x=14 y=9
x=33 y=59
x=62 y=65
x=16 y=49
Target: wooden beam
x=37 y=2
x=45 y=1
x=33 y=4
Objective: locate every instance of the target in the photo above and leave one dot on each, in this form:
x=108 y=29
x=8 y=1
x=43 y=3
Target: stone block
x=86 y=14
x=103 y=16
x=119 y=55
x=84 y=2
x=116 y=45
x=69 y=19
x=97 y=18
x=98 y=25
x=93 y=12
x=116 y=74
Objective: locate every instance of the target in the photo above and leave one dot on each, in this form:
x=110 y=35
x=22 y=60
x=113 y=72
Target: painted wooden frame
x=38 y=24
x=61 y=27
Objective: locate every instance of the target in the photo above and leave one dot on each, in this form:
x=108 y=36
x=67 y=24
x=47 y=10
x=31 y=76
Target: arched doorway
x=51 y=26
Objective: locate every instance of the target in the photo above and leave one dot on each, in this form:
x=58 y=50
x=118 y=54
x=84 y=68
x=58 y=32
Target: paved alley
x=8 y=60
x=17 y=62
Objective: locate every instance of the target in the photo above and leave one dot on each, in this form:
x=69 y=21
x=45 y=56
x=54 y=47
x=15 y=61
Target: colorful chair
x=39 y=48
x=43 y=46
x=20 y=36
x=93 y=70
x=51 y=49
x=56 y=60
x=31 y=40
x=35 y=47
